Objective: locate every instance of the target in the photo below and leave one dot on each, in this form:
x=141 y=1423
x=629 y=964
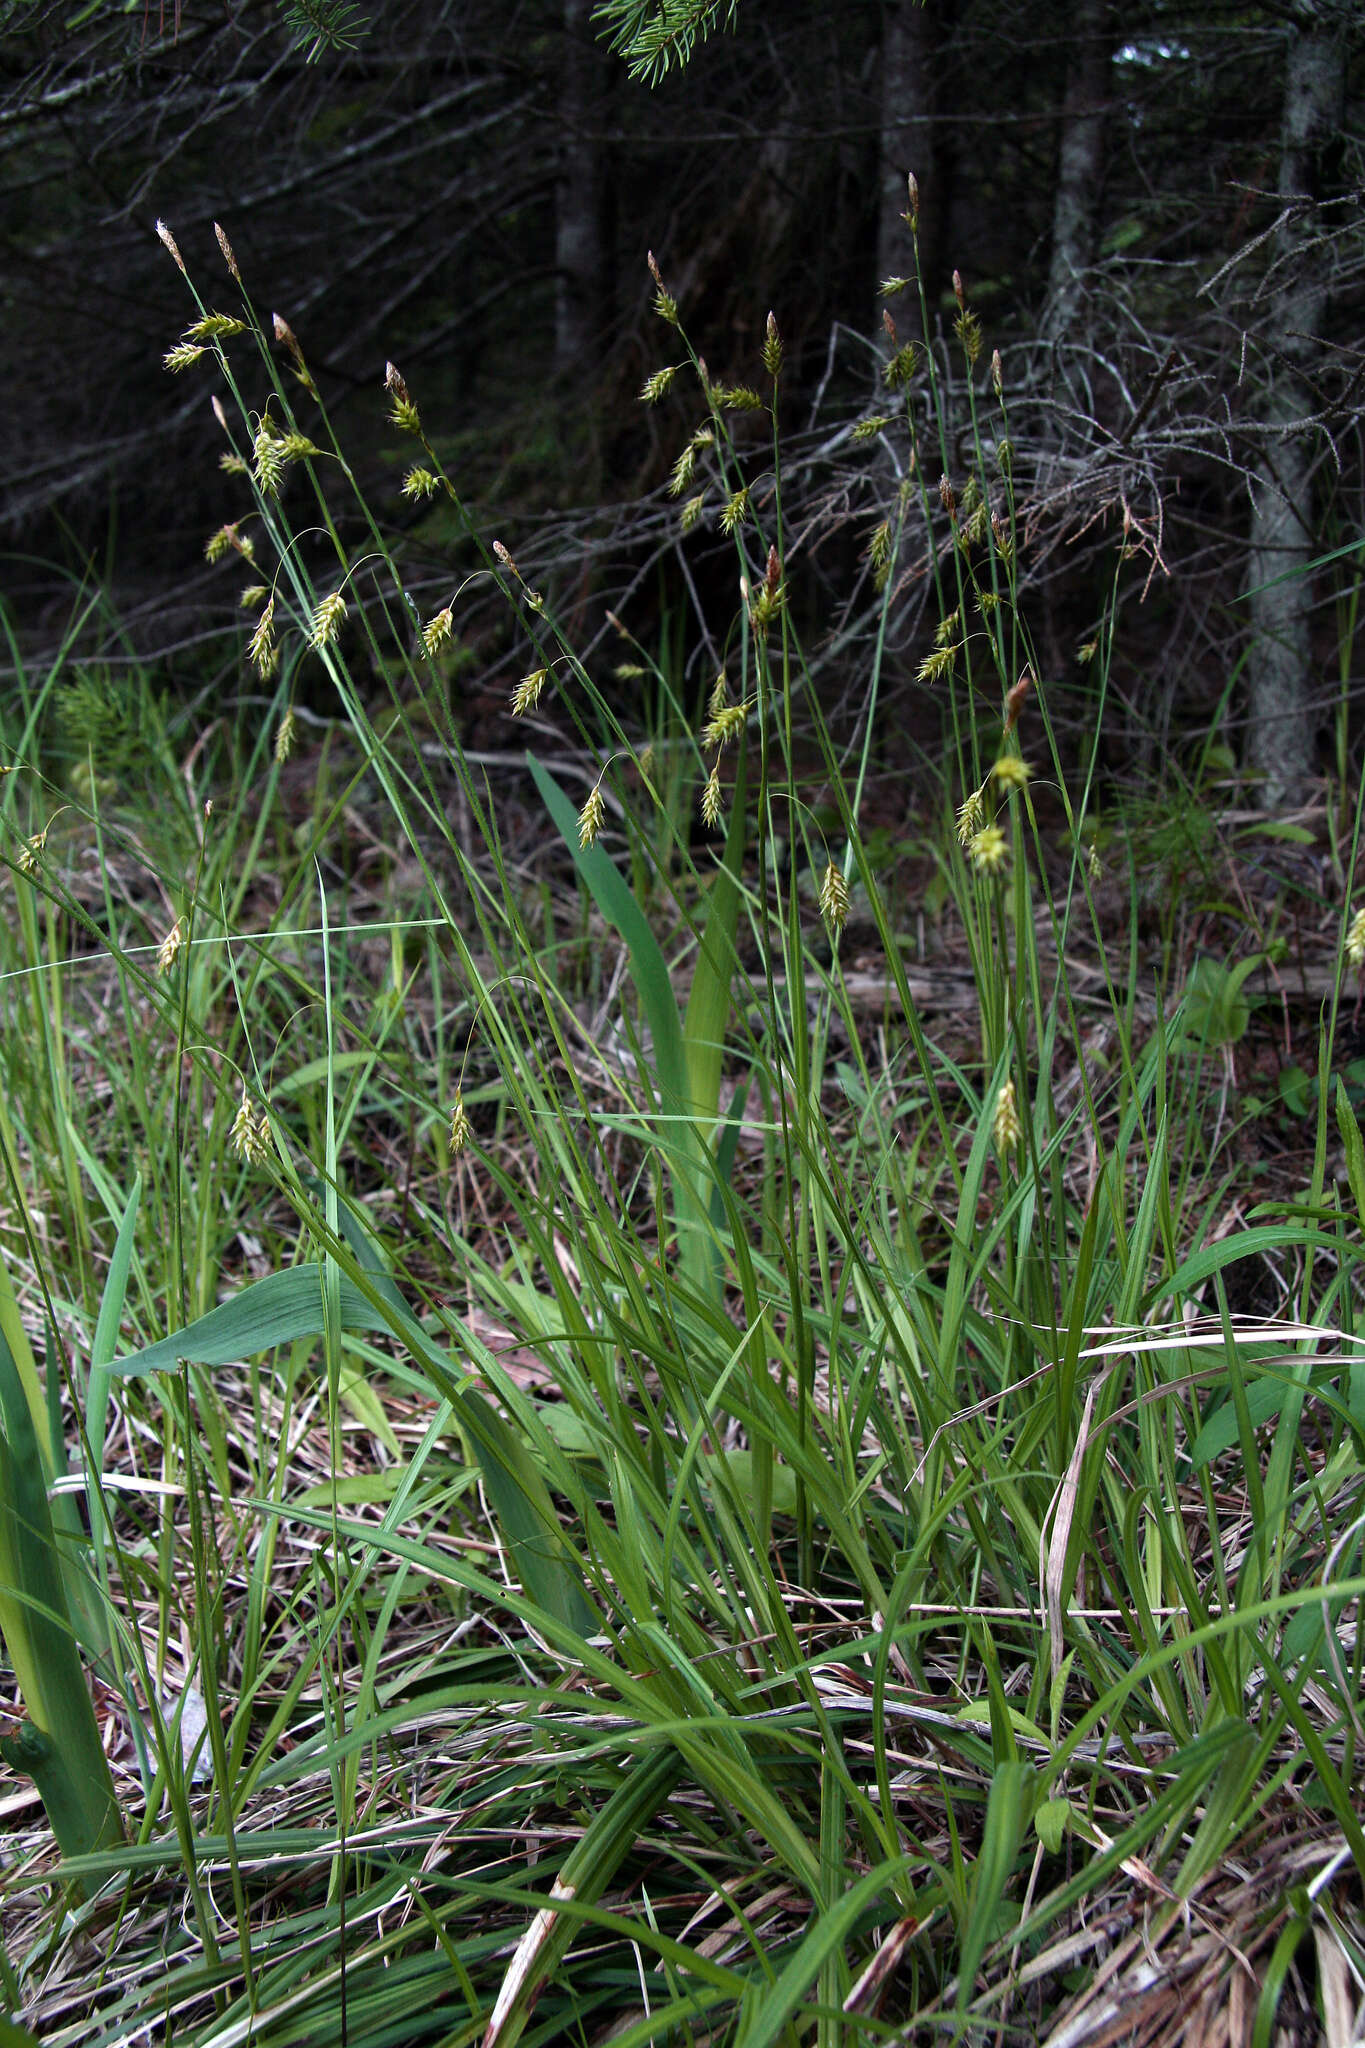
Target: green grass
x=779 y=1535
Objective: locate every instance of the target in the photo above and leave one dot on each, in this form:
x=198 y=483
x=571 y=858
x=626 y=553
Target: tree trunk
x=1280 y=739
x=582 y=311
x=1080 y=169
x=906 y=141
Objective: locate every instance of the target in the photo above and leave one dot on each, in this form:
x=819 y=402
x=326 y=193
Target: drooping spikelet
x=834 y=899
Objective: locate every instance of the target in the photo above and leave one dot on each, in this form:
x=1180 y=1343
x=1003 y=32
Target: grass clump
x=674 y=1516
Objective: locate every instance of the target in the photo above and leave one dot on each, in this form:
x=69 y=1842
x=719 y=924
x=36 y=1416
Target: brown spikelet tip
x=959 y=289
x=1015 y=699
x=393 y=383
x=654 y=269
x=773 y=575
x=285 y=333
x=889 y=324
x=225 y=245
x=167 y=239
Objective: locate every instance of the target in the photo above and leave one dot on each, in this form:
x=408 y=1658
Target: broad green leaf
x=58 y=1745
x=288 y=1306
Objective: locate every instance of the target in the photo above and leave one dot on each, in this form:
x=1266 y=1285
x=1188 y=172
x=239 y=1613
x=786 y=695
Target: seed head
x=988 y=851
x=419 y=483
x=1355 y=941
x=167 y=239
x=232 y=464
x=504 y=560
x=222 y=543
x=879 y=545
x=658 y=386
x=968 y=330
x=947 y=630
x=938 y=666
x=665 y=305
x=1014 y=703
x=711 y=805
x=168 y=952
x=997 y=374
x=403 y=414
x=437 y=631
x=724 y=725
x=763 y=608
x=971 y=816
x=328 y=620
x=261 y=646
x=1094 y=866
x=735 y=510
x=892 y=287
x=897 y=372
x=225 y=245
x=720 y=695
x=959 y=291
x=692 y=511
x=947 y=497
x=739 y=398
x=526 y=695
x=31 y=852
x=1010 y=772
x=1006 y=1128
x=183 y=356
x=250 y=1132
x=285 y=334
x=834 y=899
x=254 y=594
x=868 y=429
x=772 y=348
x=215 y=327
x=592 y=817
x=460 y=1132
x=911 y=214
x=284 y=738
x=682 y=471
x=267 y=452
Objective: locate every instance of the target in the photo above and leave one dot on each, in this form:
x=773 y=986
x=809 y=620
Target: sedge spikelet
x=460 y=1131
x=526 y=695
x=1006 y=1129
x=971 y=816
x=328 y=620
x=591 y=818
x=724 y=725
x=168 y=952
x=834 y=899
x=988 y=850
x=437 y=630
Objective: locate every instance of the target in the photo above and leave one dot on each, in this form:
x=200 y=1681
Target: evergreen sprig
x=324 y=25
x=654 y=35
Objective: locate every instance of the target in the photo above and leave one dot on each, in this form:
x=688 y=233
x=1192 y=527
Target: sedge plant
x=809 y=1578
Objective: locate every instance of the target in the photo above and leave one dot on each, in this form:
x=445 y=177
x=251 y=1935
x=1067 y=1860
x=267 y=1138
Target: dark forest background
x=1155 y=211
